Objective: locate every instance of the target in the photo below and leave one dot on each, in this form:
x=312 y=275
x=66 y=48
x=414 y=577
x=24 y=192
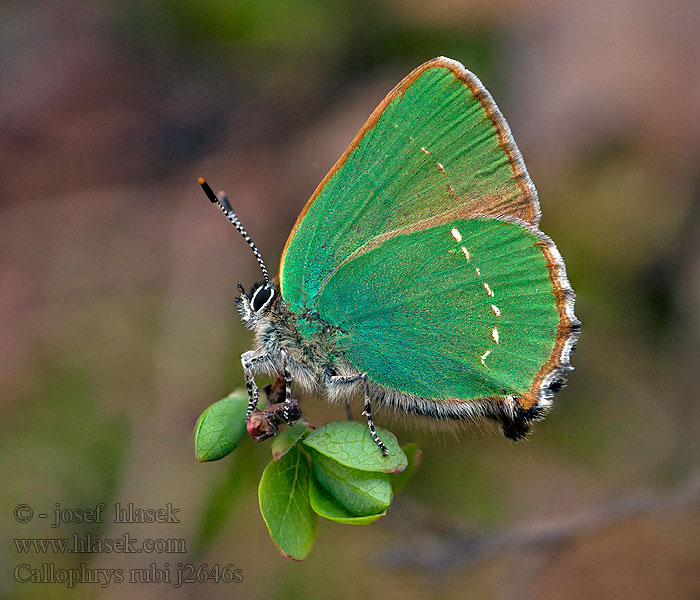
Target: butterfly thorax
x=307 y=342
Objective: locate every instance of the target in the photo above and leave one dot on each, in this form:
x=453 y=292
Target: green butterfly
x=416 y=275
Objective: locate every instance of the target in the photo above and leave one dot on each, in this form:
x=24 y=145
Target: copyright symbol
x=23 y=513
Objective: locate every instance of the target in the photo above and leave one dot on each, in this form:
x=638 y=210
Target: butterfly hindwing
x=436 y=144
x=463 y=310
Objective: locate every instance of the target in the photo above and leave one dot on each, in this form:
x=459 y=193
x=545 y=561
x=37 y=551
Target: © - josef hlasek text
x=121 y=513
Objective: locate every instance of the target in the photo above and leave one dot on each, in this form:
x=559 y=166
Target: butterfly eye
x=261 y=297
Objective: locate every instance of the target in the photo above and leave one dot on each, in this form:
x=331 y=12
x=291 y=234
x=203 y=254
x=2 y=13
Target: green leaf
x=350 y=443
x=363 y=493
x=289 y=436
x=284 y=504
x=220 y=427
x=328 y=507
x=414 y=455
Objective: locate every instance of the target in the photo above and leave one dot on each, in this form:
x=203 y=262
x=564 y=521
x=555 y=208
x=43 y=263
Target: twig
x=454 y=547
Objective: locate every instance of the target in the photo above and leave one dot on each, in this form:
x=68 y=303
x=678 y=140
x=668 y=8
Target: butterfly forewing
x=436 y=144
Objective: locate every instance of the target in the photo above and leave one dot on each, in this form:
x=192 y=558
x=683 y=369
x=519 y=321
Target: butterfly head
x=255 y=305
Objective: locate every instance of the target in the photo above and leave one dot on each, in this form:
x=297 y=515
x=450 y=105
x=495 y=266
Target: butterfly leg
x=348 y=412
x=248 y=359
x=368 y=406
x=368 y=413
x=288 y=393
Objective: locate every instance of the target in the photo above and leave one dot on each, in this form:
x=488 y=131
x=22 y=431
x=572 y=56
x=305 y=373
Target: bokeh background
x=117 y=283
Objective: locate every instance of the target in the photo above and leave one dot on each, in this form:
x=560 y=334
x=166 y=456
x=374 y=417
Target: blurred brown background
x=117 y=284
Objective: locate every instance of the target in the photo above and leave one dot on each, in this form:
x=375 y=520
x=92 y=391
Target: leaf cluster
x=335 y=472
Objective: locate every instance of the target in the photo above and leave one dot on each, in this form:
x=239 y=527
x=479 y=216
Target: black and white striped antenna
x=223 y=203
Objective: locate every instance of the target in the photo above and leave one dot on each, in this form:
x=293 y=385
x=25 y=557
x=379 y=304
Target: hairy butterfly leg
x=287 y=391
x=248 y=359
x=368 y=413
x=350 y=379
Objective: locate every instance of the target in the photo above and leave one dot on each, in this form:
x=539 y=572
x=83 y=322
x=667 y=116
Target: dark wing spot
x=556 y=385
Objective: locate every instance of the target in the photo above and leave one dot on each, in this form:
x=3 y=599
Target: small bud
x=261 y=426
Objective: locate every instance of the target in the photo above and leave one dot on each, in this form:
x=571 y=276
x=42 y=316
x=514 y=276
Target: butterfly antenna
x=223 y=203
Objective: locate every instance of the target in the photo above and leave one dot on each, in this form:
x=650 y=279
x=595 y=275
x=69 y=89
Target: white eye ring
x=252 y=300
